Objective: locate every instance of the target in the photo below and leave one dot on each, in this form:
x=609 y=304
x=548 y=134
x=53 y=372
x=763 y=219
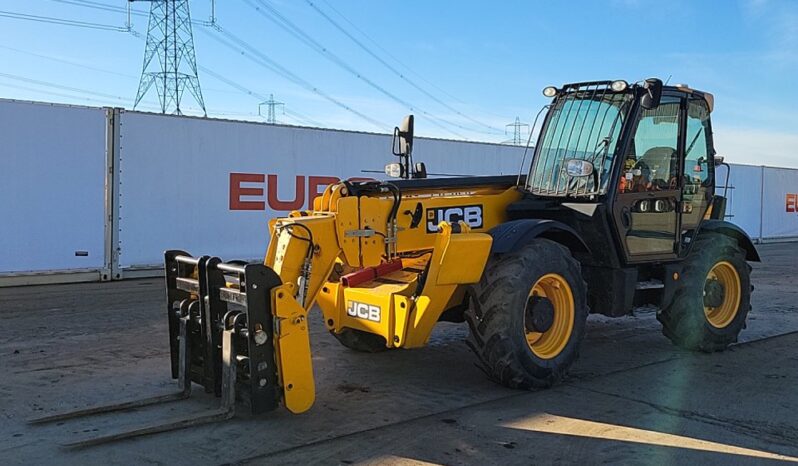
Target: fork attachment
x=221 y=337
x=216 y=292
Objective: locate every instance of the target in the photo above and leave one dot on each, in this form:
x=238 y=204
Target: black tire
x=496 y=315
x=684 y=321
x=361 y=341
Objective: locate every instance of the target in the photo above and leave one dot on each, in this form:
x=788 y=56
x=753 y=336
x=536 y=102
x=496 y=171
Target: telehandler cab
x=618 y=209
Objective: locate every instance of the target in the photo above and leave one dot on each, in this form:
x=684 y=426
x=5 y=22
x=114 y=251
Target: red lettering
x=313 y=186
x=276 y=204
x=236 y=191
x=792 y=202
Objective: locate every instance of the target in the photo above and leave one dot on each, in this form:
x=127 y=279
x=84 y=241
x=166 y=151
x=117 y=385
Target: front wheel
x=708 y=312
x=527 y=315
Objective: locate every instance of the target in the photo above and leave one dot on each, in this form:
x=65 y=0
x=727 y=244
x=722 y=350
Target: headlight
x=619 y=85
x=550 y=91
x=578 y=167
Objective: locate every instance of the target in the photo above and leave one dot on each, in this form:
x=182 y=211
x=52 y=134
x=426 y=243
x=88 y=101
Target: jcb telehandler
x=618 y=209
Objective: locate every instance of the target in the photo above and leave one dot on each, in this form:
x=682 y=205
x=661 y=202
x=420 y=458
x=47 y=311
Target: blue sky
x=480 y=64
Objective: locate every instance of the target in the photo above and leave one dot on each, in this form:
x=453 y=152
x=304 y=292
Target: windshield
x=583 y=123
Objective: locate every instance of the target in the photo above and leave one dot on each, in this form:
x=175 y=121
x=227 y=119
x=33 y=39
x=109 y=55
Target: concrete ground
x=631 y=398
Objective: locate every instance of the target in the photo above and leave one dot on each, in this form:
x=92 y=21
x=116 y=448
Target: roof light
x=550 y=91
x=619 y=85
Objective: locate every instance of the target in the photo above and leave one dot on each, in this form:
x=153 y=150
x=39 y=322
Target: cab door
x=648 y=201
x=698 y=180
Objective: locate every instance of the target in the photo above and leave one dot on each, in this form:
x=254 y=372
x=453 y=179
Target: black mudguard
x=512 y=235
x=729 y=229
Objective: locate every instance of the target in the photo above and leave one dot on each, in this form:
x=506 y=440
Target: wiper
x=692 y=143
x=605 y=143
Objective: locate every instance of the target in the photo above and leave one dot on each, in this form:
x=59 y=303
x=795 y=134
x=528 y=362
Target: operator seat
x=662 y=165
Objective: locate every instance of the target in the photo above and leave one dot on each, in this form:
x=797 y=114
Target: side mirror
x=652 y=94
x=403 y=137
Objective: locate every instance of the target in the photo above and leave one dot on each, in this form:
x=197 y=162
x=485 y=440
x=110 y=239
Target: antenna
x=170 y=39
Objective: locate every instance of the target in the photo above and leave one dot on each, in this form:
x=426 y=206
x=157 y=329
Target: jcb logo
x=471 y=215
x=363 y=311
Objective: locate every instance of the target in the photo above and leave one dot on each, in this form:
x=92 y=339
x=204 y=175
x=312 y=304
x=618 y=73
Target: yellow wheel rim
x=549 y=344
x=727 y=276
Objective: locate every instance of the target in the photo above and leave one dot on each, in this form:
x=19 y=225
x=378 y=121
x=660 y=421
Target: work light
x=619 y=85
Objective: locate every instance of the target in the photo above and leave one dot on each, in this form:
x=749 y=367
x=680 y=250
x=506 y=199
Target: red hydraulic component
x=388 y=267
x=370 y=273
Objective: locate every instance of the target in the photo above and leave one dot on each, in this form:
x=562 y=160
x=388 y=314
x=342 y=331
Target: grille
x=584 y=123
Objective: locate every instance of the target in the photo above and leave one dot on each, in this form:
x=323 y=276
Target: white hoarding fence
x=744 y=196
x=761 y=200
x=779 y=203
x=52 y=190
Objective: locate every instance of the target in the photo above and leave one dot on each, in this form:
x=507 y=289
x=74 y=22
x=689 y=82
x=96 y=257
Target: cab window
x=696 y=159
x=652 y=162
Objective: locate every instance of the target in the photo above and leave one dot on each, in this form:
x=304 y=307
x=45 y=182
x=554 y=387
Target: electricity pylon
x=271 y=115
x=517 y=126
x=171 y=40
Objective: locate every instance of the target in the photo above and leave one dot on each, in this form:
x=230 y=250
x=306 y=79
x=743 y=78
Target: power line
x=401 y=75
x=231 y=83
x=59 y=94
x=76 y=90
x=293 y=114
x=410 y=69
x=296 y=116
x=88 y=67
x=68 y=62
x=86 y=92
x=285 y=24
x=59 y=86
x=248 y=51
x=95 y=5
x=59 y=21
x=377 y=44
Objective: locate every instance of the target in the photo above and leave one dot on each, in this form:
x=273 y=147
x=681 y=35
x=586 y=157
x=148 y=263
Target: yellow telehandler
x=617 y=209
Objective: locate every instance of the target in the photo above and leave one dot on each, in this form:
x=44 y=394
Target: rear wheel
x=361 y=341
x=709 y=311
x=527 y=315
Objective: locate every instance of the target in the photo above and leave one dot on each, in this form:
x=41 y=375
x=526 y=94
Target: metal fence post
x=761 y=203
x=111 y=268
